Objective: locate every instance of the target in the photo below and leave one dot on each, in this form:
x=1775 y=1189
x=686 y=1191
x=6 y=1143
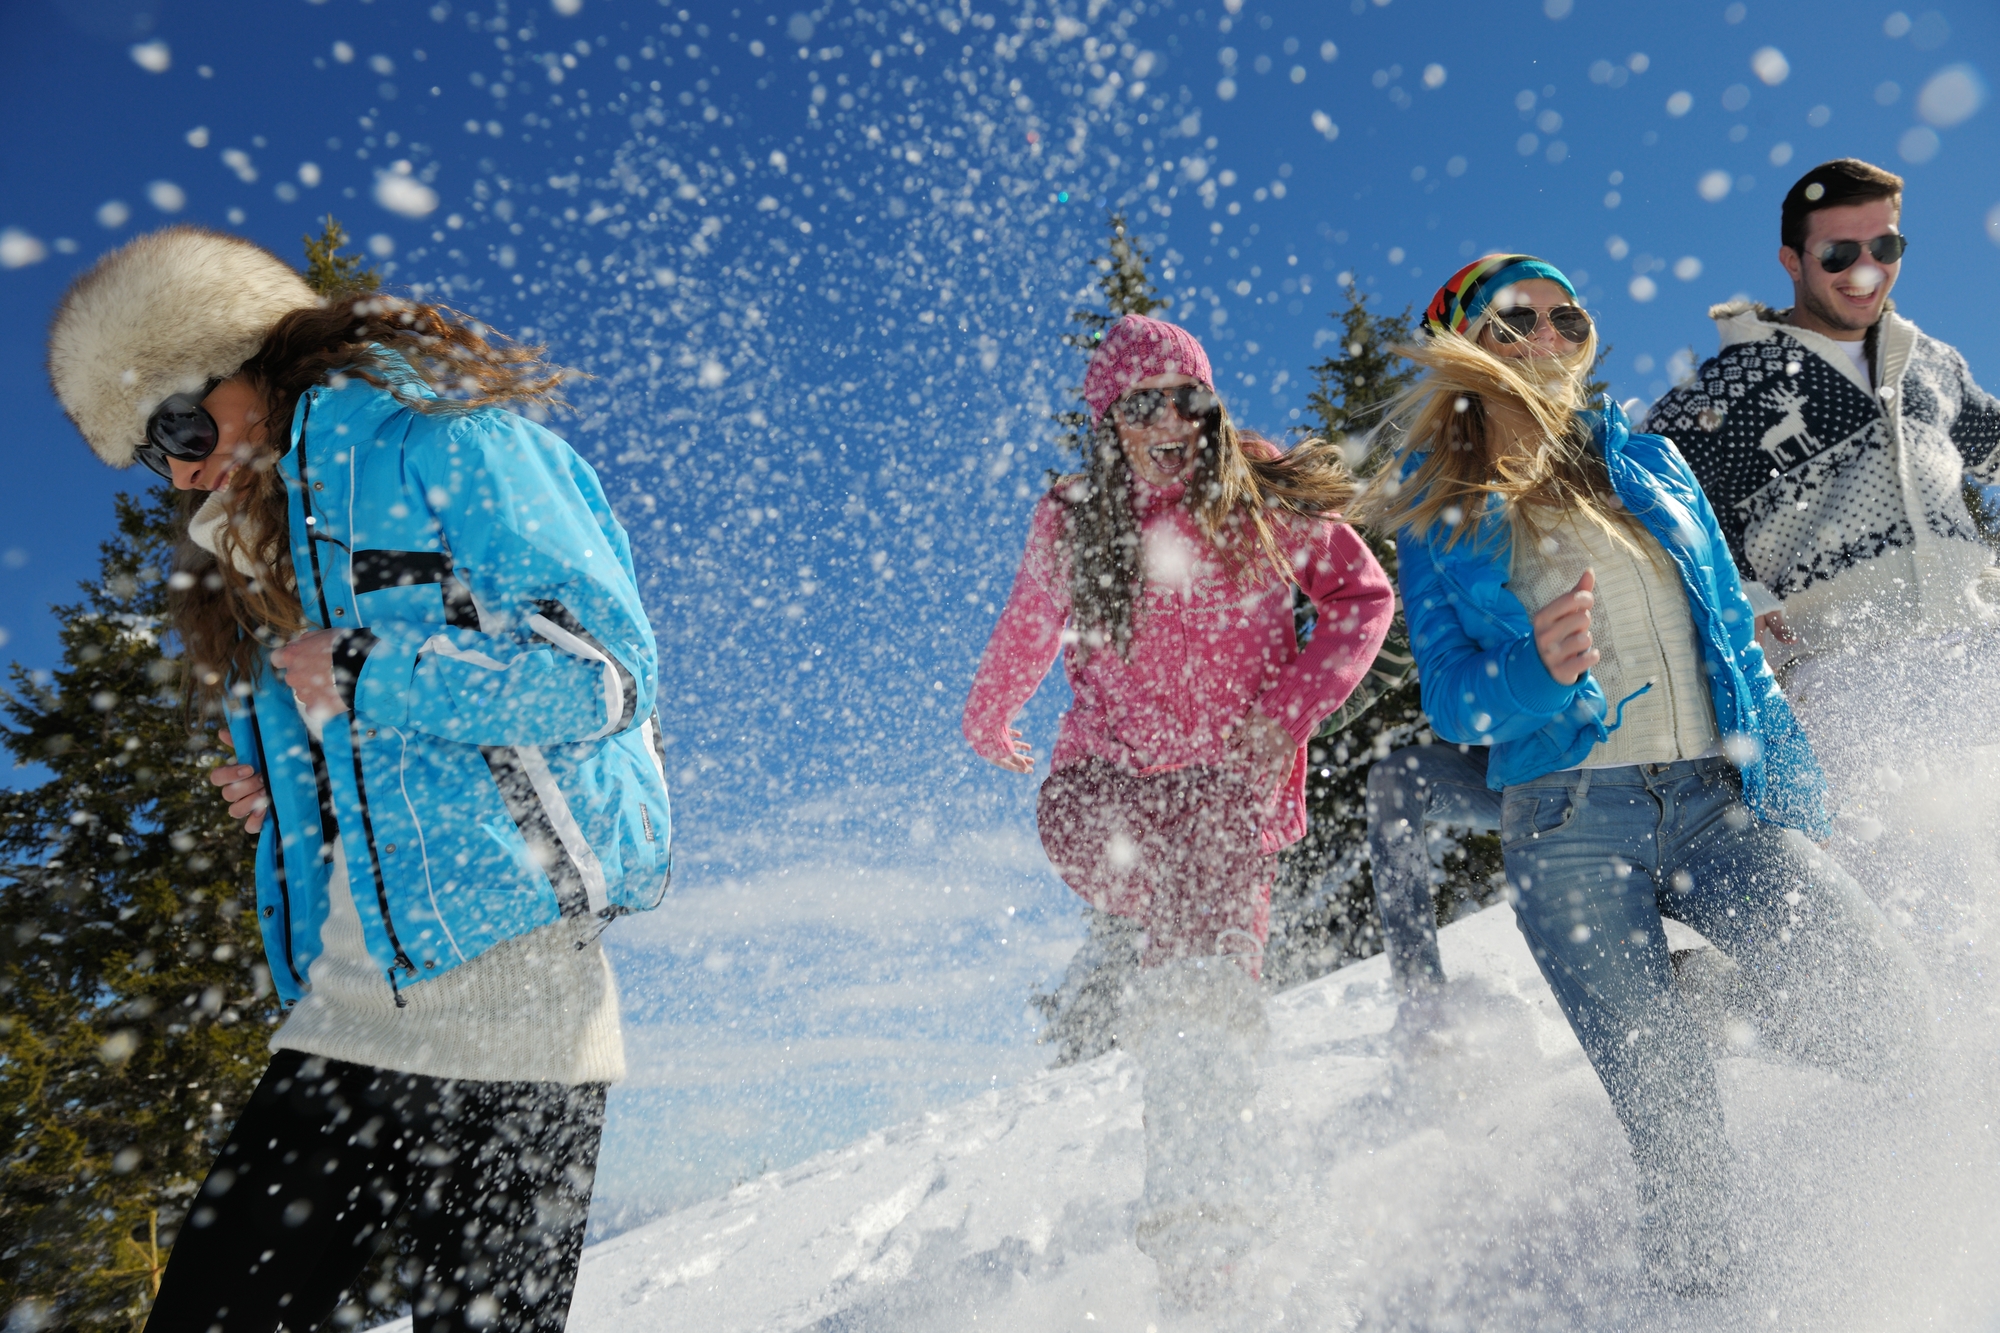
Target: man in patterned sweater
x=1834 y=440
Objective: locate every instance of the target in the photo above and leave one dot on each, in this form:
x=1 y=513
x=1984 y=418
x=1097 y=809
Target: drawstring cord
x=1619 y=720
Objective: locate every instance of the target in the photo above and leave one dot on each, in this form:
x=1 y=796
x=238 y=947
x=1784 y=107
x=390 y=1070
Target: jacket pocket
x=417 y=586
x=1530 y=813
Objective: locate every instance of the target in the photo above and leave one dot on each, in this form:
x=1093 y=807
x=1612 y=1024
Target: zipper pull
x=608 y=915
x=401 y=1001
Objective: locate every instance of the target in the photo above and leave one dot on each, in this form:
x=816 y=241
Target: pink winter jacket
x=1205 y=649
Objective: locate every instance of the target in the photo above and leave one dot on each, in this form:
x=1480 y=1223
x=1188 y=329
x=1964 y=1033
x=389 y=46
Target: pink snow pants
x=1178 y=852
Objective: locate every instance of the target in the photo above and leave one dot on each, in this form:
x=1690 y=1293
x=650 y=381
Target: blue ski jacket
x=1483 y=682
x=500 y=764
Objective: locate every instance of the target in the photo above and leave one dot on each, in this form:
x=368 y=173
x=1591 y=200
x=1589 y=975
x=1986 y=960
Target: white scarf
x=205 y=531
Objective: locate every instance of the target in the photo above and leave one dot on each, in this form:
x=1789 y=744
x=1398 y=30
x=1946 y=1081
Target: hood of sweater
x=1746 y=321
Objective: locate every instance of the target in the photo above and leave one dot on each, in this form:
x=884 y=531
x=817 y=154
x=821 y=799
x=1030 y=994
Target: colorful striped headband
x=1466 y=294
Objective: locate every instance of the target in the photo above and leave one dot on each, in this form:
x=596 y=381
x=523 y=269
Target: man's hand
x=1262 y=751
x=1562 y=631
x=242 y=788
x=1773 y=623
x=307 y=666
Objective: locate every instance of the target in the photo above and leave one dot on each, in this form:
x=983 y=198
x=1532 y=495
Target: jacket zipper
x=278 y=849
x=402 y=958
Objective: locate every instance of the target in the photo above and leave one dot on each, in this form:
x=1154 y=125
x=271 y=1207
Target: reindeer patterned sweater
x=1840 y=486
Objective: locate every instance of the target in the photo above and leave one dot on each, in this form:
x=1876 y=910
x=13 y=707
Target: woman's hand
x=1562 y=632
x=1262 y=751
x=307 y=665
x=1020 y=756
x=242 y=788
x=1773 y=623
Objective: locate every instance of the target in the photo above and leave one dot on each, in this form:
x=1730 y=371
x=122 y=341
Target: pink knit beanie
x=1137 y=348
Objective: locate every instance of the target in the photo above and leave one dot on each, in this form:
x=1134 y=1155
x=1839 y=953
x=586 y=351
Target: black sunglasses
x=1144 y=407
x=180 y=428
x=1518 y=323
x=1840 y=256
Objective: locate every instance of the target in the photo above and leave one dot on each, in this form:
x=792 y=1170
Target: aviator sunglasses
x=1839 y=256
x=1518 y=323
x=180 y=428
x=1144 y=407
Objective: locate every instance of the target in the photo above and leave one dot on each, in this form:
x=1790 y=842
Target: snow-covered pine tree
x=1082 y=1011
x=1323 y=906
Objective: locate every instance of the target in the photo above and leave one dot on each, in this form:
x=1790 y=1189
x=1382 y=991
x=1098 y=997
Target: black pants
x=492 y=1182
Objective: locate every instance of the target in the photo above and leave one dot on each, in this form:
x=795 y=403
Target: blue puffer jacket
x=499 y=767
x=1483 y=682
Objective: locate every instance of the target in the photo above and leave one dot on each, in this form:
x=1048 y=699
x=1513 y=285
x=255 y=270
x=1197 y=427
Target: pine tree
x=1351 y=387
x=1323 y=906
x=134 y=1002
x=1597 y=386
x=1082 y=1011
x=331 y=273
x=135 y=1005
x=1127 y=287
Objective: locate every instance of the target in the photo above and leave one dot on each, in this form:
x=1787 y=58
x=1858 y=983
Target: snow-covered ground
x=1477 y=1183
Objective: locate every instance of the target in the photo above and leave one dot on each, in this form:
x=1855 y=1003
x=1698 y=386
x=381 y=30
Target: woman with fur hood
x=1164 y=575
x=421 y=620
x=1573 y=605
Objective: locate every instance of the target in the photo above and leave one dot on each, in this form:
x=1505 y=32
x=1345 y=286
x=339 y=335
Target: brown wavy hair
x=1242 y=490
x=224 y=608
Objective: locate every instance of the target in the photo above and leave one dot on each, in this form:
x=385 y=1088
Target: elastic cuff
x=1762 y=599
x=1283 y=707
x=350 y=654
x=1534 y=689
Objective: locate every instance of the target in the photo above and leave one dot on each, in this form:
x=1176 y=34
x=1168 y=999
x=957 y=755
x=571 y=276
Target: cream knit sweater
x=535 y=1009
x=1644 y=634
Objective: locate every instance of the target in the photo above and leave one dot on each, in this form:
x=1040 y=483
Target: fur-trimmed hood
x=1746 y=321
x=161 y=315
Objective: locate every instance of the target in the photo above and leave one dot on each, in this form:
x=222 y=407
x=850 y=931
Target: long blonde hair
x=1241 y=491
x=1445 y=418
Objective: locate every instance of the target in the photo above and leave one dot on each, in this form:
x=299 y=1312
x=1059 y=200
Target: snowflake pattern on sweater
x=1801 y=462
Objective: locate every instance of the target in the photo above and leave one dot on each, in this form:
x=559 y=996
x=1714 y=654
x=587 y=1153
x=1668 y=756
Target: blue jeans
x=1436 y=784
x=1598 y=857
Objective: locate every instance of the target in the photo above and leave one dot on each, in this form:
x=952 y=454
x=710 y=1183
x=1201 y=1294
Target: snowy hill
x=1480 y=1182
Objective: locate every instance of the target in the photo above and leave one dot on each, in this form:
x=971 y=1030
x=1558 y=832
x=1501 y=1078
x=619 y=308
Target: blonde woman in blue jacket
x=1573 y=605
x=422 y=621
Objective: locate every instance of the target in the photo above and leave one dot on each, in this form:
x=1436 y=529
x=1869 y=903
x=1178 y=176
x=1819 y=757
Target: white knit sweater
x=535 y=1009
x=1644 y=634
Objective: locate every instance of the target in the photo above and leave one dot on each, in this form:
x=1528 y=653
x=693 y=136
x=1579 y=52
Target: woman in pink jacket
x=1164 y=575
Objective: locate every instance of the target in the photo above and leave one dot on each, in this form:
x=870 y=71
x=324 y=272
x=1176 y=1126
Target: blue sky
x=818 y=262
